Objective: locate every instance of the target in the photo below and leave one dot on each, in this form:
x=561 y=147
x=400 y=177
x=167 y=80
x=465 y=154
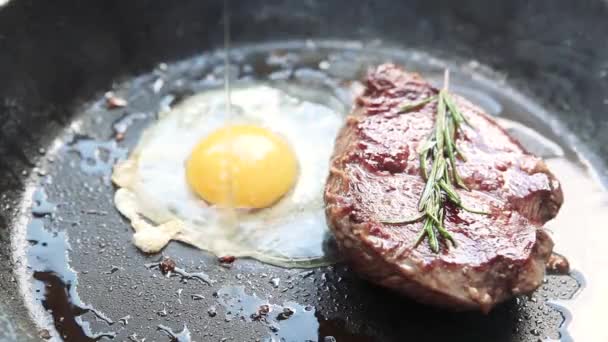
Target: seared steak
x=375 y=178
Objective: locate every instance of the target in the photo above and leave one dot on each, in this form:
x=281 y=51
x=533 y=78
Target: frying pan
x=57 y=55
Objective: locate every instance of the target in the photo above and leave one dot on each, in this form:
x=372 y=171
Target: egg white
x=155 y=196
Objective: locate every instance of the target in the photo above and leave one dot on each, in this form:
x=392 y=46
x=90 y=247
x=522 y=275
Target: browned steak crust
x=375 y=177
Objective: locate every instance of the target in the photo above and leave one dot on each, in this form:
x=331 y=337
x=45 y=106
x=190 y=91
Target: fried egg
x=247 y=182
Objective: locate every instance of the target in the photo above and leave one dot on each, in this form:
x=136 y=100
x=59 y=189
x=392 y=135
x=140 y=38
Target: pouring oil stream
x=229 y=168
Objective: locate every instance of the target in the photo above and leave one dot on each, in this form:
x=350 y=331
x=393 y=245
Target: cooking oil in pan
x=334 y=67
x=289 y=321
x=56 y=282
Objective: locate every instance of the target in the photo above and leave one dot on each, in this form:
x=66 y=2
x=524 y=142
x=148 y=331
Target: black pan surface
x=56 y=57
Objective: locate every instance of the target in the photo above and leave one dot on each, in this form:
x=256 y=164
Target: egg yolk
x=242 y=166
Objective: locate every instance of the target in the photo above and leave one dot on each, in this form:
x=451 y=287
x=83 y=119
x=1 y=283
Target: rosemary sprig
x=441 y=152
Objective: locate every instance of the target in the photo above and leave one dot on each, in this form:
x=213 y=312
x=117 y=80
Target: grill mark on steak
x=375 y=177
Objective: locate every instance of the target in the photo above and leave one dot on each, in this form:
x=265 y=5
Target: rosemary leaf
x=428 y=145
x=423 y=156
x=420 y=236
x=430 y=232
x=428 y=187
x=450 y=147
x=406 y=108
x=404 y=220
x=474 y=211
x=460 y=154
x=446 y=235
x=455 y=112
x=441 y=167
x=450 y=192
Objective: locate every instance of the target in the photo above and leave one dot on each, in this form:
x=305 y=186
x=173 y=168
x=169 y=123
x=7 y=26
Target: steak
x=375 y=178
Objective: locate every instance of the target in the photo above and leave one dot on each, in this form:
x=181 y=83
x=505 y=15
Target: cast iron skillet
x=55 y=55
